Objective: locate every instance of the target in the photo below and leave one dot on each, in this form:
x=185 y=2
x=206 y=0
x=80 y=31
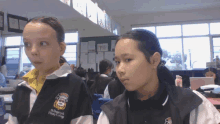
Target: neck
x=48 y=72
x=149 y=90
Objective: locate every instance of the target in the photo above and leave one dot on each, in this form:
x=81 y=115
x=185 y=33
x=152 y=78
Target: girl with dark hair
x=149 y=97
x=212 y=72
x=81 y=72
x=4 y=67
x=50 y=93
x=102 y=79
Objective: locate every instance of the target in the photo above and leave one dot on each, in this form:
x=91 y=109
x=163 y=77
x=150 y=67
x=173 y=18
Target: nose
x=34 y=50
x=120 y=69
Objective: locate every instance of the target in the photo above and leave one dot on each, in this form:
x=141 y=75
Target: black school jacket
x=62 y=100
x=186 y=107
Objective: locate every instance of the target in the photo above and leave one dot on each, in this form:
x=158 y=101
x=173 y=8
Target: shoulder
x=205 y=112
x=115 y=104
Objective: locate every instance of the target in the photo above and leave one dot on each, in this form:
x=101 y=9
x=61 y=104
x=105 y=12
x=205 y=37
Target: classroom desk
x=214 y=99
x=7 y=106
x=215 y=102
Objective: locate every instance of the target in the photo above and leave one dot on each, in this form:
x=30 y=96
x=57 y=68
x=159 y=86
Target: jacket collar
x=182 y=102
x=104 y=75
x=63 y=71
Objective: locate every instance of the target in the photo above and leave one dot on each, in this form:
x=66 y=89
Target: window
x=27 y=66
x=70 y=54
x=195 y=29
x=12 y=61
x=13 y=41
x=152 y=29
x=169 y=31
x=216 y=46
x=188 y=46
x=214 y=28
x=198 y=52
x=172 y=55
x=71 y=37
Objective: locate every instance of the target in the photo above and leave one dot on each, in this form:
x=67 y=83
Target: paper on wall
x=91 y=46
x=99 y=57
x=83 y=58
x=84 y=47
x=1 y=21
x=102 y=47
x=13 y=23
x=110 y=56
x=22 y=24
x=113 y=45
x=92 y=58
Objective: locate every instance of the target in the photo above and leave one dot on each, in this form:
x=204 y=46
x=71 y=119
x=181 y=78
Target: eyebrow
x=123 y=55
x=43 y=38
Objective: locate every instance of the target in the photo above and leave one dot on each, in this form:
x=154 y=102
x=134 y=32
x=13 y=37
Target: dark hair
x=148 y=43
x=81 y=72
x=104 y=65
x=3 y=60
x=214 y=71
x=53 y=23
x=62 y=60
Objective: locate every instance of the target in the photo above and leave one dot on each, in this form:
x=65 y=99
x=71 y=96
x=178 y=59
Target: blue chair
x=2 y=80
x=97 y=96
x=2 y=111
x=96 y=106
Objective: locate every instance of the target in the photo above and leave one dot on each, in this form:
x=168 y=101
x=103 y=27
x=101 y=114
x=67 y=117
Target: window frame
x=211 y=36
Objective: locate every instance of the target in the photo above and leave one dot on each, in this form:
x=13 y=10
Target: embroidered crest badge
x=61 y=100
x=168 y=120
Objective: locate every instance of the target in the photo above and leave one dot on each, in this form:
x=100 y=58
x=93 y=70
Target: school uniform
x=113 y=89
x=4 y=70
x=170 y=105
x=59 y=98
x=101 y=83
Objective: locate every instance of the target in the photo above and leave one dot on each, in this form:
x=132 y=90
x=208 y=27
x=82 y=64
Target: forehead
x=209 y=72
x=126 y=47
x=38 y=30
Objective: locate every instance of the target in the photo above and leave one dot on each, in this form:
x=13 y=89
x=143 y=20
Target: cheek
x=140 y=73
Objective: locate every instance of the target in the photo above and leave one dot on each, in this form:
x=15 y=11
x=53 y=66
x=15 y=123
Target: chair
x=97 y=96
x=185 y=81
x=2 y=80
x=96 y=106
x=2 y=111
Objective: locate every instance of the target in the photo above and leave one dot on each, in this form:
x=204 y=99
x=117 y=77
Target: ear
x=62 y=48
x=155 y=59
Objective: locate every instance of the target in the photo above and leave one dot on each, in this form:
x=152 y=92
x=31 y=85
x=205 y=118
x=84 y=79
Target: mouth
x=37 y=63
x=123 y=80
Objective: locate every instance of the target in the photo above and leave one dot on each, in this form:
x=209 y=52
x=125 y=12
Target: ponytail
x=93 y=88
x=164 y=74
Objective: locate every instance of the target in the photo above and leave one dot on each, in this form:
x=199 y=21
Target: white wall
x=168 y=17
x=85 y=27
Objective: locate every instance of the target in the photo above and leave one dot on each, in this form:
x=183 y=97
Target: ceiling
x=32 y=8
x=115 y=8
x=126 y=7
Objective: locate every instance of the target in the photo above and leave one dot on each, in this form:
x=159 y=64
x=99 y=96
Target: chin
x=130 y=88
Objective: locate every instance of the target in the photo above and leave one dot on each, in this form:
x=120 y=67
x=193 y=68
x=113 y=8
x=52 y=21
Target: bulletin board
x=16 y=23
x=94 y=49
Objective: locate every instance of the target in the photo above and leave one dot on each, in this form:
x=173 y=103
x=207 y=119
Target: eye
x=43 y=43
x=128 y=60
x=117 y=62
x=26 y=44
